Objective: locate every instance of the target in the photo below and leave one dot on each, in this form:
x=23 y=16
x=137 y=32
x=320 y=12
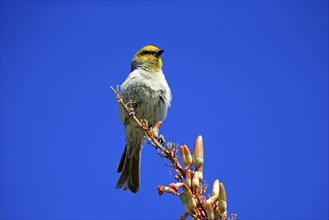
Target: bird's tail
x=129 y=165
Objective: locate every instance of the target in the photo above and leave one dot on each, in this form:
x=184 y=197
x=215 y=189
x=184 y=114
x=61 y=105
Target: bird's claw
x=160 y=138
x=131 y=112
x=131 y=109
x=144 y=123
x=155 y=132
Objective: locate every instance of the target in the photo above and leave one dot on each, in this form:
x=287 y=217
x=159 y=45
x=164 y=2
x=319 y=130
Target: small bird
x=147 y=87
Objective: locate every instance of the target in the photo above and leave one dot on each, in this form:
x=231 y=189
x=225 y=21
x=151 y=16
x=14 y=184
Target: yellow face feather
x=149 y=57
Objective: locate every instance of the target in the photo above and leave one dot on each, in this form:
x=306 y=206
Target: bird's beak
x=160 y=52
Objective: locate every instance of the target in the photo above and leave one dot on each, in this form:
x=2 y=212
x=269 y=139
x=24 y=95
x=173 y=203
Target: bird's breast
x=150 y=94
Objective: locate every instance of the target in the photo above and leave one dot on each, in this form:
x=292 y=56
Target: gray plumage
x=149 y=89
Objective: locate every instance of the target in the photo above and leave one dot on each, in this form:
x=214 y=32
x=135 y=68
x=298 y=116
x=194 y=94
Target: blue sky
x=251 y=77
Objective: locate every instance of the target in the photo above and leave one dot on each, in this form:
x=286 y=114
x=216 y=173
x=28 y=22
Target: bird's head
x=149 y=58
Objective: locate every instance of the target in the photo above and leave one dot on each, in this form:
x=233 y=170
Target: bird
x=147 y=87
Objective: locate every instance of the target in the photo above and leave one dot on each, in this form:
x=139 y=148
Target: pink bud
x=222 y=193
x=160 y=190
x=215 y=187
x=187 y=180
x=191 y=200
x=222 y=200
x=158 y=125
x=174 y=187
x=182 y=154
x=184 y=200
x=195 y=180
x=200 y=171
x=210 y=211
x=198 y=152
x=156 y=128
x=188 y=156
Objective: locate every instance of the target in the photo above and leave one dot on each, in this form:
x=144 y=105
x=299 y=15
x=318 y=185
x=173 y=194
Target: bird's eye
x=147 y=52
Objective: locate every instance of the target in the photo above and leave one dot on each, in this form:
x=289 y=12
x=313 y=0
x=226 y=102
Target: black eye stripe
x=148 y=52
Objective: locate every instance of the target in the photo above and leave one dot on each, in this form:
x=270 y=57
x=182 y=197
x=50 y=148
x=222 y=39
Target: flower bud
x=200 y=171
x=184 y=200
x=222 y=193
x=163 y=189
x=215 y=187
x=210 y=211
x=222 y=205
x=198 y=152
x=160 y=190
x=215 y=192
x=195 y=180
x=185 y=155
x=188 y=180
x=191 y=200
x=213 y=199
x=188 y=155
x=156 y=128
x=158 y=125
x=182 y=155
x=192 y=203
x=174 y=187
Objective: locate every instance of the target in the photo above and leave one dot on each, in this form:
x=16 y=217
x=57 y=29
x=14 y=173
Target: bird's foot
x=131 y=112
x=131 y=109
x=161 y=139
x=144 y=123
